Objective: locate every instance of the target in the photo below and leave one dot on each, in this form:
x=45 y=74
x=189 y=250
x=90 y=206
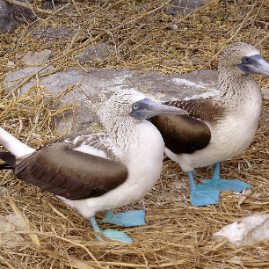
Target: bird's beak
x=146 y=108
x=255 y=65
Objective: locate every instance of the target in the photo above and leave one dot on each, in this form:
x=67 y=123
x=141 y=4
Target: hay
x=177 y=235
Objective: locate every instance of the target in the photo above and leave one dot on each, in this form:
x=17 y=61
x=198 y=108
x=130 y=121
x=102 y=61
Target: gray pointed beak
x=254 y=65
x=147 y=108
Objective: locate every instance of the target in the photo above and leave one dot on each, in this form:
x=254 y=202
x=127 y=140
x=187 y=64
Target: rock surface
x=12 y=15
x=35 y=58
x=265 y=94
x=9 y=226
x=185 y=7
x=50 y=33
x=95 y=52
x=92 y=87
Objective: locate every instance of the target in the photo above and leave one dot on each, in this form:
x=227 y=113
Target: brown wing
x=186 y=134
x=205 y=109
x=9 y=159
x=72 y=174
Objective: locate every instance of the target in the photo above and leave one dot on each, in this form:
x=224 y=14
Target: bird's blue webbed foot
x=127 y=219
x=224 y=184
x=116 y=235
x=202 y=196
x=111 y=234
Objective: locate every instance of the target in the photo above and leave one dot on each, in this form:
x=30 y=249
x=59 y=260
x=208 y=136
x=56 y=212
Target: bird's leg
x=127 y=219
x=202 y=196
x=111 y=234
x=216 y=174
x=223 y=184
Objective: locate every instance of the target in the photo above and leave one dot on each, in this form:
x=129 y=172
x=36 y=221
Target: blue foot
x=111 y=234
x=116 y=235
x=201 y=196
x=224 y=184
x=127 y=219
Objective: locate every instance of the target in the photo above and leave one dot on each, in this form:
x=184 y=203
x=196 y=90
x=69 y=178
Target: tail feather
x=4 y=166
x=9 y=159
x=13 y=145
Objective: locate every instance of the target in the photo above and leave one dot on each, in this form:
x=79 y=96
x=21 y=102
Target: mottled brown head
x=233 y=56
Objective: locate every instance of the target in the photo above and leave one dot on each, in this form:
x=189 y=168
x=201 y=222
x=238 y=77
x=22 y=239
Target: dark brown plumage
x=9 y=159
x=186 y=134
x=93 y=172
x=88 y=176
x=225 y=124
x=204 y=109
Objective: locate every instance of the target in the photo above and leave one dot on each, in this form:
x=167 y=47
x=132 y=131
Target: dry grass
x=177 y=235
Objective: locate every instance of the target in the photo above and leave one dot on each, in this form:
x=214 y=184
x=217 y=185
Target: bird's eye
x=135 y=106
x=245 y=60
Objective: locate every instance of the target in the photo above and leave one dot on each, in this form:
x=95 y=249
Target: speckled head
x=233 y=55
x=120 y=103
x=135 y=104
x=243 y=58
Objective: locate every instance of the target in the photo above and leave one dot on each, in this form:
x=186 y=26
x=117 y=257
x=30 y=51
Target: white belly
x=229 y=138
x=144 y=169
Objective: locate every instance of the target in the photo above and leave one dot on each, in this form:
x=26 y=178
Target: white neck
x=121 y=131
x=236 y=88
x=144 y=143
x=145 y=157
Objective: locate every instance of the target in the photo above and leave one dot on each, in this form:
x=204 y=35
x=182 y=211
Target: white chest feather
x=229 y=137
x=144 y=163
x=144 y=159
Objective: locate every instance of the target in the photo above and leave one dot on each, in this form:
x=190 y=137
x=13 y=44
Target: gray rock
x=265 y=94
x=50 y=33
x=9 y=226
x=3 y=190
x=12 y=15
x=10 y=64
x=95 y=52
x=185 y=7
x=174 y=27
x=35 y=58
x=54 y=4
x=6 y=23
x=92 y=87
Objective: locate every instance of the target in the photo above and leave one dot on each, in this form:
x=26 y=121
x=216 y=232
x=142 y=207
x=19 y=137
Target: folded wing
x=186 y=134
x=63 y=170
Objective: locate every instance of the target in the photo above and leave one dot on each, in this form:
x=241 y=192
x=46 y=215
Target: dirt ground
x=177 y=235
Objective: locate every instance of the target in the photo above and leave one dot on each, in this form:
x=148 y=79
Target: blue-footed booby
x=99 y=171
x=218 y=127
